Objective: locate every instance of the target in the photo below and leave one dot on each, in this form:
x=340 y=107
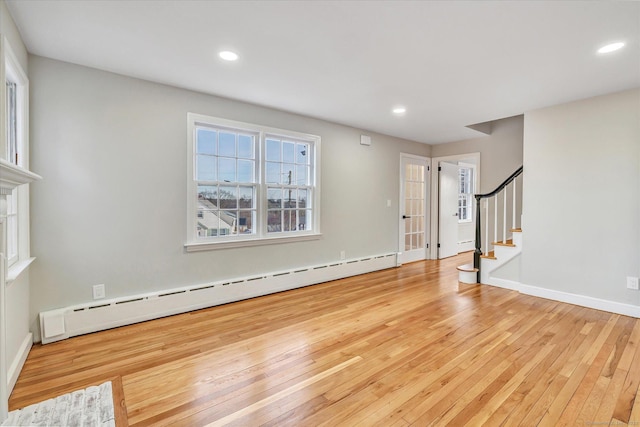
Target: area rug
x=92 y=406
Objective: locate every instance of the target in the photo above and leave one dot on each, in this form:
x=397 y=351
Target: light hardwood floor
x=405 y=346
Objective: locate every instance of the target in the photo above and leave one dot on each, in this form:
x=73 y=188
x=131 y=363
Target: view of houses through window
x=251 y=183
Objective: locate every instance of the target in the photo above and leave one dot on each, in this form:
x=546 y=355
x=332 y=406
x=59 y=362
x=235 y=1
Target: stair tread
x=508 y=243
x=490 y=255
x=516 y=230
x=467 y=267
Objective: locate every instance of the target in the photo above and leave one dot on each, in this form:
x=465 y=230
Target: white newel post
x=11 y=176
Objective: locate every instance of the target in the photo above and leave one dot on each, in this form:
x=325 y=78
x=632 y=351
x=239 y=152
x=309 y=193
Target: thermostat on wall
x=365 y=140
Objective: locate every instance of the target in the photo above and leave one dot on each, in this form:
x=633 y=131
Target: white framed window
x=16 y=152
x=466 y=188
x=289 y=184
x=250 y=184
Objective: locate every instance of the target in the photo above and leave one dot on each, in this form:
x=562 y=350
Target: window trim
x=14 y=72
x=261 y=237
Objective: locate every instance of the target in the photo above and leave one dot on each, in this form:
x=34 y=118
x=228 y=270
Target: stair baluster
x=478 y=251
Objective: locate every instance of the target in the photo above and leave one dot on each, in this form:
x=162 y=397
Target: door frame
x=427 y=199
x=432 y=252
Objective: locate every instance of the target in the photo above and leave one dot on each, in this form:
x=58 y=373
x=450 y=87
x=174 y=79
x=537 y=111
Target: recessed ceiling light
x=611 y=47
x=399 y=110
x=227 y=55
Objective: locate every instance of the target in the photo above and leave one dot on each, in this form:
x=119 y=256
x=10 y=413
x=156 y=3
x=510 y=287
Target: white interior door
x=413 y=208
x=447 y=210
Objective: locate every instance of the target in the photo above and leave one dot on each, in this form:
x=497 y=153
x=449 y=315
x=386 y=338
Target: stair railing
x=501 y=189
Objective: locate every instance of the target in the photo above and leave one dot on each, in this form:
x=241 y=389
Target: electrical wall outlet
x=343 y=255
x=98 y=291
x=632 y=283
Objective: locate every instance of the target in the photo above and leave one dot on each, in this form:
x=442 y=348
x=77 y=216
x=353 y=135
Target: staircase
x=496 y=261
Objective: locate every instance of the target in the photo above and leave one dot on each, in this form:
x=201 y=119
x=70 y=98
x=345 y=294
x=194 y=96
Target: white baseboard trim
x=575 y=299
x=18 y=362
x=582 y=300
x=62 y=323
x=504 y=283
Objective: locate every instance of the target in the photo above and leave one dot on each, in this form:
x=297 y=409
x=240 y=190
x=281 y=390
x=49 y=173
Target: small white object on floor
x=91 y=407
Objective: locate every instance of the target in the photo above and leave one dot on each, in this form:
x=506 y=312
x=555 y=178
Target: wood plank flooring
x=399 y=347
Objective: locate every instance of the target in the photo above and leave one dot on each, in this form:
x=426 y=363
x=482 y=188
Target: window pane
x=274 y=221
x=290 y=199
x=273 y=150
x=288 y=174
x=12 y=122
x=302 y=199
x=245 y=171
x=206 y=141
x=207 y=197
x=245 y=222
x=12 y=236
x=245 y=147
x=302 y=153
x=290 y=220
x=227 y=171
x=227 y=144
x=288 y=151
x=417 y=207
x=302 y=175
x=207 y=223
x=246 y=198
x=228 y=223
x=275 y=198
x=273 y=173
x=206 y=168
x=304 y=220
x=228 y=197
x=417 y=224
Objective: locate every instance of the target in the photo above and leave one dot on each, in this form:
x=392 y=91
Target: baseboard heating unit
x=62 y=323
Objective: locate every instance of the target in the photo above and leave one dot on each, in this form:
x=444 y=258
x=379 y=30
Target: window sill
x=211 y=246
x=16 y=269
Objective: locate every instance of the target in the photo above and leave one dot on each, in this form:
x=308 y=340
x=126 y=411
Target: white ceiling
x=451 y=63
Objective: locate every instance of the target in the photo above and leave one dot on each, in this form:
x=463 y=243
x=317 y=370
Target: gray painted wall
x=10 y=31
x=112 y=205
x=500 y=156
x=581 y=207
x=17 y=293
x=500 y=152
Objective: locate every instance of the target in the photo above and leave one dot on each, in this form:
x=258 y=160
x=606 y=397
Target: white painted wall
x=581 y=207
x=112 y=208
